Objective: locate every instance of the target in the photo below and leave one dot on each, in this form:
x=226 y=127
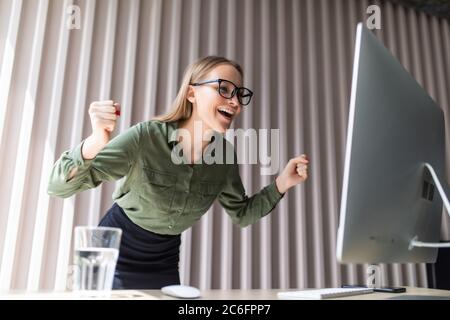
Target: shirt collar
x=172 y=132
x=172 y=136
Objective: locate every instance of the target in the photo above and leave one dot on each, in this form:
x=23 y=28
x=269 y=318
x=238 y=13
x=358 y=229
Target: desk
x=412 y=293
x=257 y=294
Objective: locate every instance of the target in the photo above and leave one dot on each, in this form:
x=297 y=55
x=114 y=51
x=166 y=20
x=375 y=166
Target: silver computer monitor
x=394 y=158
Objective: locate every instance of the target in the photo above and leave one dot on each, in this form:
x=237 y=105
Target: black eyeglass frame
x=235 y=90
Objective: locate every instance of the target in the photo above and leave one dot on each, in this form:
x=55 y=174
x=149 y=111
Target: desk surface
x=256 y=294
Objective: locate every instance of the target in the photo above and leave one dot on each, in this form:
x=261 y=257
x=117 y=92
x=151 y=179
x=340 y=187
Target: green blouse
x=157 y=193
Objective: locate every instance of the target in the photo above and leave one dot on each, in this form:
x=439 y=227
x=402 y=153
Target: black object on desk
x=380 y=289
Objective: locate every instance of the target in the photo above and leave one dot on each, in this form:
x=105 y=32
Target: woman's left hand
x=296 y=171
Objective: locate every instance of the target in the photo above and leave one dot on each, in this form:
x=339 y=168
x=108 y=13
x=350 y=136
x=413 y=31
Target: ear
x=191 y=94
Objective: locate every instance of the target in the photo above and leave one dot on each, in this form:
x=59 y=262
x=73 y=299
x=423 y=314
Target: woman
x=167 y=187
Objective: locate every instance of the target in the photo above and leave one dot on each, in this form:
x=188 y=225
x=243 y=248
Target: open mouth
x=227 y=114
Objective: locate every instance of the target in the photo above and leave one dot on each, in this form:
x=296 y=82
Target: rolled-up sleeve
x=111 y=163
x=242 y=209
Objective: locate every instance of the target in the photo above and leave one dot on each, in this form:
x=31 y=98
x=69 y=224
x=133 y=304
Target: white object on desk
x=181 y=291
x=323 y=293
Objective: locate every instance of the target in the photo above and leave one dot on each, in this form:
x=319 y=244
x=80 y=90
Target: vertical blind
x=297 y=57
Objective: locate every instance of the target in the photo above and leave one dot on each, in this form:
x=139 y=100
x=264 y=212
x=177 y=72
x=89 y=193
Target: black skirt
x=147 y=260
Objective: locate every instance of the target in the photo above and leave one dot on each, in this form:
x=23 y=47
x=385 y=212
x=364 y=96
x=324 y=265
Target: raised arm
x=96 y=159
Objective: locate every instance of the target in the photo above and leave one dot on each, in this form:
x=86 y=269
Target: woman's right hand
x=103 y=116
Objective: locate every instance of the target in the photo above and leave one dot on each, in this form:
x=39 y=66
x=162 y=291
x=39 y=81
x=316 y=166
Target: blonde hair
x=182 y=107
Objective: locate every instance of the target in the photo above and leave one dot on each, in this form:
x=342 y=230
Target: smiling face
x=215 y=111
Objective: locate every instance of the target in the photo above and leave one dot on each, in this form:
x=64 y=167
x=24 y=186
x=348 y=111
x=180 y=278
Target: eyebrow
x=237 y=85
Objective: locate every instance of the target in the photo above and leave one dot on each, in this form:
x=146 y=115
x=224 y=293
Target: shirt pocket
x=206 y=193
x=159 y=188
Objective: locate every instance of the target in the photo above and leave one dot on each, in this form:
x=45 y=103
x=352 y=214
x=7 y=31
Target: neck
x=197 y=130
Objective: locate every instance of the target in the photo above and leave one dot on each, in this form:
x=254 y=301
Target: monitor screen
x=389 y=198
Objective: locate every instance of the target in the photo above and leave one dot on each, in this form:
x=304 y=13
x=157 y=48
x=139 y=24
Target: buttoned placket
x=183 y=188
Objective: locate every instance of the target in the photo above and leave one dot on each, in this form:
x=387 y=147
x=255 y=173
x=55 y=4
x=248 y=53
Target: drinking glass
x=96 y=250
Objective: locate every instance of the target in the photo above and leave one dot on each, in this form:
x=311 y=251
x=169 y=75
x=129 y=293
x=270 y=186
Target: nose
x=234 y=101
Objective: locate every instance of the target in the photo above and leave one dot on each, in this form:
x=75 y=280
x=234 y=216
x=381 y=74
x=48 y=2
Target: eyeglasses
x=228 y=89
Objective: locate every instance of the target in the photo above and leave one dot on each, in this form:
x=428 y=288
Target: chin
x=217 y=124
x=222 y=128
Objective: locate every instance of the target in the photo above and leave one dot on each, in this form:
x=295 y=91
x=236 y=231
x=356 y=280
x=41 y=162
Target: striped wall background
x=297 y=56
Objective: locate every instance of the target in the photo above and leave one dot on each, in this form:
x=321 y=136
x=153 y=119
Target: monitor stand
x=443 y=190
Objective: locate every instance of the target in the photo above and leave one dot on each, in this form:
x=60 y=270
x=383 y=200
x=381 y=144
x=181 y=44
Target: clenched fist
x=296 y=171
x=103 y=116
